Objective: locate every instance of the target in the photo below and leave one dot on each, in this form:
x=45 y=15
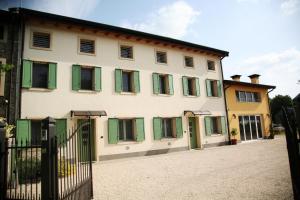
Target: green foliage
x=29 y=170
x=234 y=132
x=65 y=168
x=5 y=67
x=276 y=104
x=8 y=128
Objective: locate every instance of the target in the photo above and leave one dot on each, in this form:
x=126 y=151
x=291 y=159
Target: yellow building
x=248 y=107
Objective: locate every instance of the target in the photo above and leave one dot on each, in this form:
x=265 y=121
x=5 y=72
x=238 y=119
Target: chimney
x=236 y=77
x=254 y=78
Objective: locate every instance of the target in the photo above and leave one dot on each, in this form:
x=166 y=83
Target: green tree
x=276 y=104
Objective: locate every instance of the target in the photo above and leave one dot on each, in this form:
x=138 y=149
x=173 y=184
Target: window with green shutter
x=61 y=131
x=223 y=125
x=23 y=131
x=197 y=82
x=215 y=125
x=191 y=86
x=185 y=86
x=39 y=74
x=139 y=129
x=113 y=131
x=157 y=128
x=86 y=78
x=208 y=129
x=155 y=79
x=163 y=84
x=171 y=88
x=213 y=88
x=179 y=130
x=127 y=81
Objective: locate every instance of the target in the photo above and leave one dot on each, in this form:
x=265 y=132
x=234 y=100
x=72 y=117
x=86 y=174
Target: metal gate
x=291 y=122
x=58 y=166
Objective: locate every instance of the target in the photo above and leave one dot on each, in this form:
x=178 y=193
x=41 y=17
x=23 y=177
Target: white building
x=160 y=94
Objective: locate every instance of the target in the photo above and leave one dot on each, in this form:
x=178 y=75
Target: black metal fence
x=59 y=167
x=291 y=122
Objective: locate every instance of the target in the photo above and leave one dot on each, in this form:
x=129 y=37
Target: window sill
x=41 y=48
x=189 y=67
x=168 y=139
x=164 y=95
x=191 y=96
x=127 y=142
x=87 y=91
x=210 y=70
x=86 y=54
x=129 y=59
x=215 y=135
x=214 y=97
x=128 y=93
x=38 y=89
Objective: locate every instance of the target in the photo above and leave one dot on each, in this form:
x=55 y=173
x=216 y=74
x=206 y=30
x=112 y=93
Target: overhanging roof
x=106 y=27
x=83 y=113
x=254 y=85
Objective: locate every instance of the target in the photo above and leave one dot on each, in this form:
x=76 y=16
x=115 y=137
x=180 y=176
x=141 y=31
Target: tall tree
x=276 y=104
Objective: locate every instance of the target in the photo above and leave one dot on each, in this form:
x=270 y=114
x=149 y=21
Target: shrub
x=29 y=170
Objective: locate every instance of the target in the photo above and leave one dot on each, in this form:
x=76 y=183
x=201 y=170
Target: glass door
x=258 y=124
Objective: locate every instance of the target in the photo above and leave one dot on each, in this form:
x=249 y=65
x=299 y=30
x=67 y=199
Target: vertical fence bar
x=90 y=157
x=3 y=162
x=31 y=173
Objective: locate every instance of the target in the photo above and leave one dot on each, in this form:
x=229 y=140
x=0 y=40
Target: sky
x=262 y=36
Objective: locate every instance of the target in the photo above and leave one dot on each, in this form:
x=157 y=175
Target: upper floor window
x=163 y=84
x=211 y=65
x=86 y=78
x=87 y=46
x=41 y=40
x=188 y=61
x=127 y=81
x=126 y=51
x=213 y=88
x=243 y=96
x=38 y=74
x=161 y=57
x=191 y=86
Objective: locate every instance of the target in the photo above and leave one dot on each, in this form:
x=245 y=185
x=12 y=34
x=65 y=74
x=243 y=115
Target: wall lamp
x=233 y=116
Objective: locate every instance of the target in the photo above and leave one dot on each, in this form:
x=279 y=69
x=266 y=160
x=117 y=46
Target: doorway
x=83 y=139
x=192 y=132
x=250 y=127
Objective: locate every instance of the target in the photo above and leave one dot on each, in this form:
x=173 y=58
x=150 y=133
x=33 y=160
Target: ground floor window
x=250 y=127
x=126 y=130
x=215 y=125
x=167 y=129
x=170 y=127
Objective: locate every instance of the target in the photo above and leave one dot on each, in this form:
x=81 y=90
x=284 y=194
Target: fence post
x=296 y=101
x=3 y=162
x=49 y=179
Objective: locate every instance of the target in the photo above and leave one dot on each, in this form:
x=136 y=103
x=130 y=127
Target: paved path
x=255 y=170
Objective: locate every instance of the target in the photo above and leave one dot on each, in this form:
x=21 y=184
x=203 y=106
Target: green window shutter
x=139 y=129
x=52 y=75
x=23 y=131
x=118 y=80
x=171 y=88
x=136 y=81
x=97 y=79
x=61 y=130
x=223 y=125
x=197 y=87
x=155 y=78
x=76 y=77
x=208 y=88
x=219 y=88
x=157 y=128
x=179 y=130
x=27 y=74
x=185 y=85
x=208 y=127
x=113 y=131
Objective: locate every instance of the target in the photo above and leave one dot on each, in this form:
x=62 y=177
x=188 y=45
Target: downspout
x=225 y=101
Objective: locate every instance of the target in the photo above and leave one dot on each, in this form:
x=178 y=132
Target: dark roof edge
x=76 y=21
x=231 y=82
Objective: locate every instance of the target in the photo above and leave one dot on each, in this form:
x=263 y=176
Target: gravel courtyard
x=254 y=170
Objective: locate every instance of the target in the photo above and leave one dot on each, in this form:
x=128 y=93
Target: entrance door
x=192 y=131
x=83 y=139
x=250 y=127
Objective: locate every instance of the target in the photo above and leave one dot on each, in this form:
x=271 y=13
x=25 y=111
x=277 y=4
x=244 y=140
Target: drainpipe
x=225 y=101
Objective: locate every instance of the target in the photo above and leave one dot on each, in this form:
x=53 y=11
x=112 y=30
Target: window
x=127 y=81
x=188 y=61
x=126 y=51
x=36 y=127
x=163 y=84
x=87 y=46
x=190 y=86
x=243 y=96
x=38 y=74
x=215 y=125
x=41 y=40
x=125 y=130
x=213 y=88
x=86 y=78
x=161 y=57
x=167 y=127
x=211 y=65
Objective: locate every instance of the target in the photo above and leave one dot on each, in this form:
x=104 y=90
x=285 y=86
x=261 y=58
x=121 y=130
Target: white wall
x=59 y=102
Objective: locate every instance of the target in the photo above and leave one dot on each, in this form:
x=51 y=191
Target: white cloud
x=290 y=7
x=71 y=8
x=281 y=69
x=172 y=20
